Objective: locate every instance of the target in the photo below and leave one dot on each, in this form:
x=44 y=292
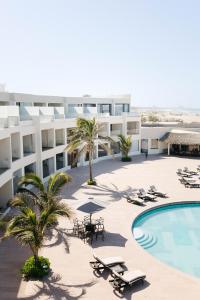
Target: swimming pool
x=171 y=233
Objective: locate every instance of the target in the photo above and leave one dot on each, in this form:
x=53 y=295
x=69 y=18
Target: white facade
x=34 y=130
x=150 y=139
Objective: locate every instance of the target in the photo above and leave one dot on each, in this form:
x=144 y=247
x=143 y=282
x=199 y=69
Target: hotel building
x=34 y=132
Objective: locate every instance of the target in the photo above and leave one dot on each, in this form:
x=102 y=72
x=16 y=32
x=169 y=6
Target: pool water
x=171 y=233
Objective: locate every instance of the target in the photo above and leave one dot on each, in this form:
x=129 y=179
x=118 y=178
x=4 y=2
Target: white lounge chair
x=101 y=263
x=128 y=279
x=153 y=190
x=145 y=196
x=134 y=199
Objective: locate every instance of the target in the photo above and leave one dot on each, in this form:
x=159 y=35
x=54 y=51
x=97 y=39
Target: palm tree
x=125 y=144
x=30 y=227
x=43 y=193
x=84 y=138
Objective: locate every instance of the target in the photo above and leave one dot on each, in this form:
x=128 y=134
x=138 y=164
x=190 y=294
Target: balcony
x=115 y=129
x=28 y=144
x=15 y=146
x=5 y=193
x=16 y=177
x=46 y=114
x=59 y=113
x=30 y=168
x=103 y=130
x=101 y=151
x=48 y=167
x=5 y=155
x=60 y=137
x=9 y=116
x=47 y=139
x=60 y=161
x=133 y=128
x=74 y=111
x=133 y=131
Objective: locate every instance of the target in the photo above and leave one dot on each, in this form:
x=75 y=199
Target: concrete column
x=168 y=145
x=38 y=146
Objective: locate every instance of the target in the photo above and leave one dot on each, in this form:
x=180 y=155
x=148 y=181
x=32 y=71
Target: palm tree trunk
x=35 y=254
x=90 y=166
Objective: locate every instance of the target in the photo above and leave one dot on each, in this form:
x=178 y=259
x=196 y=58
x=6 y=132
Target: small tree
x=84 y=138
x=38 y=213
x=125 y=144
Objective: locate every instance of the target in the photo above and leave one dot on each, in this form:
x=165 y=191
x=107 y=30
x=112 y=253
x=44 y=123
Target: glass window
x=154 y=144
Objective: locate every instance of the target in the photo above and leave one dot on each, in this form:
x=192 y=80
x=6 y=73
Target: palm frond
x=33 y=180
x=57 y=181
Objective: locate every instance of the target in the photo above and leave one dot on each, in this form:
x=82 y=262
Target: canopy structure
x=183 y=142
x=182 y=137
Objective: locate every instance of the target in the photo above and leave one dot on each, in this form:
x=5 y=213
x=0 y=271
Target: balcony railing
x=133 y=131
x=115 y=132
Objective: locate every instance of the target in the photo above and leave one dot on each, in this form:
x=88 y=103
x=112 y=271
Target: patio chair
x=128 y=279
x=99 y=231
x=78 y=227
x=153 y=190
x=101 y=263
x=145 y=196
x=134 y=199
x=87 y=236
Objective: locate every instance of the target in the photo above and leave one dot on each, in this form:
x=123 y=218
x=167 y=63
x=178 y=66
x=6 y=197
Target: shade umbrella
x=92 y=206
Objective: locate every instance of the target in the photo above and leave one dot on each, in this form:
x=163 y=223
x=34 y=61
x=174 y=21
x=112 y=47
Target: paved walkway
x=72 y=277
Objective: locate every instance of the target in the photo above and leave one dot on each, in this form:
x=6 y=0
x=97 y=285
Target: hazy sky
x=149 y=48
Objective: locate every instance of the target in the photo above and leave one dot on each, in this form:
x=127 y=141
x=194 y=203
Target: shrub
x=35 y=271
x=91 y=182
x=126 y=158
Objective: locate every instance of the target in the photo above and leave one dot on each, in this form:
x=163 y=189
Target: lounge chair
x=179 y=172
x=192 y=183
x=153 y=191
x=128 y=279
x=103 y=263
x=145 y=196
x=134 y=199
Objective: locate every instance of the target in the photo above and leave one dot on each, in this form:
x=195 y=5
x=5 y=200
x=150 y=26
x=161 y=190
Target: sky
x=147 y=48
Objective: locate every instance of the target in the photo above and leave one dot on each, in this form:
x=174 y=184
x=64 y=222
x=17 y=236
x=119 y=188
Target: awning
x=183 y=137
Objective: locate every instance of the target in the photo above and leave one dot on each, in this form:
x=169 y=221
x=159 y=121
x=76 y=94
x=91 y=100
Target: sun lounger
x=103 y=263
x=179 y=171
x=152 y=190
x=134 y=199
x=192 y=183
x=128 y=279
x=145 y=196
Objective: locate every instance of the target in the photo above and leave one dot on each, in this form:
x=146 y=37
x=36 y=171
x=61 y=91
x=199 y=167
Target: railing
x=115 y=132
x=133 y=131
x=103 y=133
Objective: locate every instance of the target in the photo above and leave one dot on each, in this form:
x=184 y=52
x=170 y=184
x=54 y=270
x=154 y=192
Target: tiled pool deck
x=72 y=276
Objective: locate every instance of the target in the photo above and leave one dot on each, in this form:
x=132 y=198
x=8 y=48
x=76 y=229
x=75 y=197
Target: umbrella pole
x=90 y=218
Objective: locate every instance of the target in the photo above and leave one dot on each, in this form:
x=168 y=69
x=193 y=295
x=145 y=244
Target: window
x=154 y=144
x=104 y=108
x=126 y=108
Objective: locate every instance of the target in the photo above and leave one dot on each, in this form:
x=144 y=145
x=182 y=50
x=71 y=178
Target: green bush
x=126 y=158
x=91 y=182
x=36 y=271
